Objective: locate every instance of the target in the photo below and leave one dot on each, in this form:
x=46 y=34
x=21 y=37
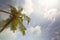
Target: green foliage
x=16 y=17
x=2 y=23
x=21 y=27
x=26 y=18
x=12 y=8
x=14 y=24
x=20 y=9
x=20 y=20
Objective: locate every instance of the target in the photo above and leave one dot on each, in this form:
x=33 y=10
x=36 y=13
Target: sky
x=45 y=20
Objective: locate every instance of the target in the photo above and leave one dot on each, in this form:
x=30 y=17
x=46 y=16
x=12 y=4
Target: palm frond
x=20 y=9
x=26 y=18
x=14 y=24
x=21 y=26
x=5 y=11
x=2 y=22
x=12 y=8
x=5 y=26
x=22 y=29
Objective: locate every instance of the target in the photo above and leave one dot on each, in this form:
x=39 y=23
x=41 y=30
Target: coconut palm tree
x=15 y=18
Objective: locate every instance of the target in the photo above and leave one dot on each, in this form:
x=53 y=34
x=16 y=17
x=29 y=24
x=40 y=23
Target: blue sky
x=45 y=20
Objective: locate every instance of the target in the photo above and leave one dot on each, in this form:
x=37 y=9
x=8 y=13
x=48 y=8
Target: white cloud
x=28 y=7
x=46 y=8
x=51 y=14
x=34 y=32
x=7 y=35
x=49 y=3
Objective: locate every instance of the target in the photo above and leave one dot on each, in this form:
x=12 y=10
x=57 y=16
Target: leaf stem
x=5 y=11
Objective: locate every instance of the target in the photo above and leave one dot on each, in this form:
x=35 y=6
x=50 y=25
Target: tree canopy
x=15 y=18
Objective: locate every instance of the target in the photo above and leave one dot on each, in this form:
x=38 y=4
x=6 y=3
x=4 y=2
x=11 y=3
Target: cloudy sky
x=45 y=20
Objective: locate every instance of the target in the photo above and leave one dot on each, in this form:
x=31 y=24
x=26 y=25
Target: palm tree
x=15 y=18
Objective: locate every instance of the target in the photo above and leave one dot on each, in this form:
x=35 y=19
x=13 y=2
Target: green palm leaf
x=12 y=8
x=5 y=26
x=20 y=9
x=2 y=23
x=22 y=27
x=26 y=18
x=14 y=24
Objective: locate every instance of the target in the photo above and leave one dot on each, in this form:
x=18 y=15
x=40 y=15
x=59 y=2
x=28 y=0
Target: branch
x=5 y=11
